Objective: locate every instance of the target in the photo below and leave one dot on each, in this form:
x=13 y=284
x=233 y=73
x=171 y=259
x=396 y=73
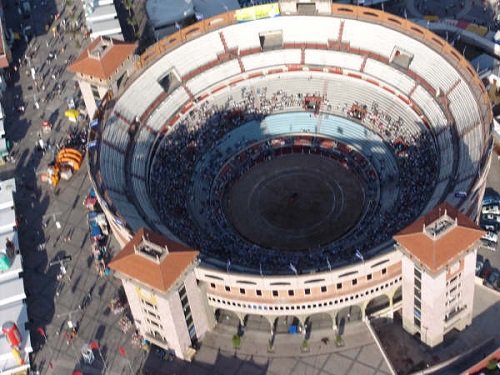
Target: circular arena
x=292 y=144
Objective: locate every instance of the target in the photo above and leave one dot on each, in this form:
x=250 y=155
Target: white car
x=490 y=237
x=493 y=210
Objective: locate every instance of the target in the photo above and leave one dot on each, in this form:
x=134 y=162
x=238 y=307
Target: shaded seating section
x=387 y=116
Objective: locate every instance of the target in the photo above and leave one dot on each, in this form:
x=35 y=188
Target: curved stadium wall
x=362 y=49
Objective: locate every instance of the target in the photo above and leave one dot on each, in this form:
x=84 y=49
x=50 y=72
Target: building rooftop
x=102 y=57
x=439 y=237
x=153 y=260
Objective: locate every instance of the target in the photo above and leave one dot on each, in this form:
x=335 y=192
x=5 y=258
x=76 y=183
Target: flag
x=94 y=345
x=122 y=351
x=292 y=267
x=41 y=331
x=260 y=268
x=359 y=255
x=328 y=262
x=177 y=26
x=228 y=265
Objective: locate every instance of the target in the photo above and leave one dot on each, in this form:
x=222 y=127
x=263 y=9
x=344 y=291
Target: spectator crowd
x=188 y=155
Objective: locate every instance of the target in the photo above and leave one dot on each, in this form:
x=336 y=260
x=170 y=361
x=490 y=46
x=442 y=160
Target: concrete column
x=333 y=315
x=270 y=319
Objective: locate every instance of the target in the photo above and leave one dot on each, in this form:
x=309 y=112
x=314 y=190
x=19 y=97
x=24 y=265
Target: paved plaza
x=360 y=355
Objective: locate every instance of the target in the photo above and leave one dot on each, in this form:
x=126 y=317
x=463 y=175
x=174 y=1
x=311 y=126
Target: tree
x=132 y=22
x=128 y=4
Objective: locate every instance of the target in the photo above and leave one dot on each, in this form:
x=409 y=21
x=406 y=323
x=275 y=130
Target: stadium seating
x=271 y=59
x=333 y=58
x=199 y=64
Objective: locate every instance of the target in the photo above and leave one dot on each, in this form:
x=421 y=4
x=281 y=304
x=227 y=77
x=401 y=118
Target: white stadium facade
x=386 y=102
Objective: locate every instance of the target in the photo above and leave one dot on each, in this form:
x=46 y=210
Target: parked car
x=486 y=270
x=490 y=237
x=492 y=280
x=494 y=210
x=490 y=199
x=27 y=33
x=25 y=9
x=479 y=267
x=490 y=227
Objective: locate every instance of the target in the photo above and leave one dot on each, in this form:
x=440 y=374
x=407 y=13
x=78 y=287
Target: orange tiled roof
x=435 y=253
x=105 y=65
x=158 y=275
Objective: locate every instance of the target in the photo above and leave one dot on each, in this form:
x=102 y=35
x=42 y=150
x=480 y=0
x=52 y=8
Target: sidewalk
x=359 y=355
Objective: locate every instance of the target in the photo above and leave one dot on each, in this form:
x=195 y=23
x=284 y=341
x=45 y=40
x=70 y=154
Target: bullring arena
x=289 y=150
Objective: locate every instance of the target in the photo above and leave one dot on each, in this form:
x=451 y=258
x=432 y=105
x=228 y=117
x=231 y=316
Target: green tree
x=128 y=4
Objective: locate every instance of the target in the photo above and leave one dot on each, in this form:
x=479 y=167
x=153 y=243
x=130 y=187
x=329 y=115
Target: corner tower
x=438 y=268
x=159 y=281
x=100 y=68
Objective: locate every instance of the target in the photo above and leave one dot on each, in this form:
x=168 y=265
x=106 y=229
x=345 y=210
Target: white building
x=102 y=67
x=12 y=296
x=438 y=268
x=159 y=280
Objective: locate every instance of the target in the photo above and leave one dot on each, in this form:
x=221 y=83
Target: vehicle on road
x=479 y=267
x=490 y=199
x=494 y=210
x=493 y=280
x=486 y=270
x=490 y=237
x=490 y=227
x=25 y=9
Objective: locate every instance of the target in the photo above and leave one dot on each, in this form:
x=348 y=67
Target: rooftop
x=102 y=57
x=439 y=237
x=153 y=260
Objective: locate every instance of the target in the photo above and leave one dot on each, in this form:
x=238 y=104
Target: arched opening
x=318 y=322
x=377 y=304
x=398 y=295
x=256 y=323
x=226 y=318
x=287 y=324
x=347 y=315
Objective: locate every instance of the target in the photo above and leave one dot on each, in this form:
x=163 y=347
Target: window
x=369 y=276
x=417 y=303
x=416 y=321
x=275 y=293
x=339 y=285
x=417 y=273
x=258 y=292
x=212 y=285
x=384 y=271
x=354 y=281
x=242 y=291
x=291 y=293
x=95 y=92
x=227 y=288
x=323 y=289
x=307 y=291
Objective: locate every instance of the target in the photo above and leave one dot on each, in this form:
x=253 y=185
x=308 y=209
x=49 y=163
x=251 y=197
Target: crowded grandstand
x=390 y=105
